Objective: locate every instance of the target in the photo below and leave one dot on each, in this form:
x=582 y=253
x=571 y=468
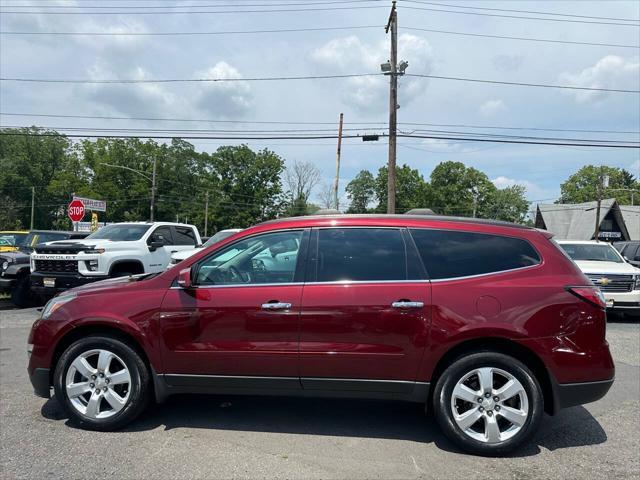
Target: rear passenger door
x=365 y=311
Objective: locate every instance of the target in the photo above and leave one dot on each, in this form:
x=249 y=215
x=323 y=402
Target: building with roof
x=577 y=221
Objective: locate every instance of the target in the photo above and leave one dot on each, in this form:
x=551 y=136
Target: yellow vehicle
x=11 y=240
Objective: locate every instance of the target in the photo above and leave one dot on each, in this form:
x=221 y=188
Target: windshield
x=12 y=239
x=120 y=233
x=217 y=238
x=594 y=253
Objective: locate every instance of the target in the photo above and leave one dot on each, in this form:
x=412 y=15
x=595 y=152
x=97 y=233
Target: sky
x=541 y=169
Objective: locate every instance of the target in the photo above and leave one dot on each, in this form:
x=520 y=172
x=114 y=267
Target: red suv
x=488 y=324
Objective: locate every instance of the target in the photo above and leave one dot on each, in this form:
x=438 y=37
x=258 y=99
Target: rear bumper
x=40 y=380
x=62 y=282
x=571 y=394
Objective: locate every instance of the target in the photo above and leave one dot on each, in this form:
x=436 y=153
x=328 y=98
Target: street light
x=152 y=179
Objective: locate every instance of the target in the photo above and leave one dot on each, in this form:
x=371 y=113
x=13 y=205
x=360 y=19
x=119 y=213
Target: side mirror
x=184 y=278
x=154 y=245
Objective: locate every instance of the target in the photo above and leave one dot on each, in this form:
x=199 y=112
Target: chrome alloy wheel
x=489 y=405
x=98 y=384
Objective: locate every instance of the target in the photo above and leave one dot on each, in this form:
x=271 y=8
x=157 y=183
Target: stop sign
x=76 y=210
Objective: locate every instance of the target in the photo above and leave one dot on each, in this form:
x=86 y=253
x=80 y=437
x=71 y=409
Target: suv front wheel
x=488 y=403
x=102 y=383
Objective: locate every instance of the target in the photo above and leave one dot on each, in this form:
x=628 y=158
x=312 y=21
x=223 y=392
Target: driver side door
x=240 y=321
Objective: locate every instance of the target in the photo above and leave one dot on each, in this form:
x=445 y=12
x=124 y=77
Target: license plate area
x=49 y=282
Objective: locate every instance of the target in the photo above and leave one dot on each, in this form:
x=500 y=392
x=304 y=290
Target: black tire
x=442 y=396
x=21 y=295
x=120 y=274
x=139 y=391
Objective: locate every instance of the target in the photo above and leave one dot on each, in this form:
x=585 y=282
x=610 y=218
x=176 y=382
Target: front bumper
x=623 y=301
x=62 y=282
x=6 y=284
x=40 y=380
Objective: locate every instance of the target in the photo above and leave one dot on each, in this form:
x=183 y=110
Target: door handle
x=407 y=304
x=276 y=306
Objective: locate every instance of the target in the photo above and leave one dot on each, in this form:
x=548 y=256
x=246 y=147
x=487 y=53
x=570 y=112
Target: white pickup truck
x=116 y=250
x=618 y=280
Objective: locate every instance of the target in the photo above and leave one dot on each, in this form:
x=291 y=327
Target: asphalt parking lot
x=249 y=437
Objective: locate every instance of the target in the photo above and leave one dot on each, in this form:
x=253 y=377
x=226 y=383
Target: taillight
x=591 y=295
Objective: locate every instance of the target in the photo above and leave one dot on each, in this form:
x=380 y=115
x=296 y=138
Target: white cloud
x=367 y=94
x=224 y=99
x=533 y=190
x=611 y=71
x=212 y=99
x=492 y=107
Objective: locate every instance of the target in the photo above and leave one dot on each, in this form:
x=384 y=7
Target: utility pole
x=206 y=212
x=603 y=182
x=153 y=189
x=33 y=199
x=335 y=183
x=392 y=25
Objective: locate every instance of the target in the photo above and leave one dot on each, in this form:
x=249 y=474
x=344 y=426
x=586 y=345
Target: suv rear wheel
x=102 y=383
x=488 y=403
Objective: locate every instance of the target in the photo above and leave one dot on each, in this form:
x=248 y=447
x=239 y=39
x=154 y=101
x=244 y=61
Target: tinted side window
x=451 y=254
x=161 y=234
x=365 y=254
x=266 y=258
x=184 y=236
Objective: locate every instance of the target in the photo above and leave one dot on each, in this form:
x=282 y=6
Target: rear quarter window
x=453 y=254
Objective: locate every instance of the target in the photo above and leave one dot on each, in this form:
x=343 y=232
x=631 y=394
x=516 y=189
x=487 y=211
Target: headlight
x=5 y=265
x=636 y=285
x=55 y=303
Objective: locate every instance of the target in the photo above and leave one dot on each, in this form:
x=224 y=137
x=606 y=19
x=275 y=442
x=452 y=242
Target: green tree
x=361 y=192
x=582 y=185
x=460 y=190
x=33 y=157
x=411 y=189
x=508 y=204
x=249 y=188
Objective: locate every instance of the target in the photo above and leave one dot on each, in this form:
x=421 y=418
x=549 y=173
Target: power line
x=295 y=122
x=179 y=131
x=298 y=122
x=562 y=20
x=305 y=132
x=526 y=142
x=189 y=80
x=190 y=12
x=522 y=11
x=317 y=137
x=167 y=7
x=527 y=39
x=227 y=32
x=319 y=29
x=304 y=77
x=521 y=84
